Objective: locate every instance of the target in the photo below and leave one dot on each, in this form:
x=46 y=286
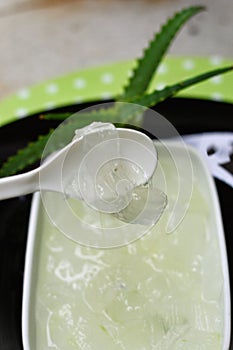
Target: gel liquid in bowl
x=162 y=292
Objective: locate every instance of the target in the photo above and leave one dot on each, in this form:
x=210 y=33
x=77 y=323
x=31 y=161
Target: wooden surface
x=43 y=39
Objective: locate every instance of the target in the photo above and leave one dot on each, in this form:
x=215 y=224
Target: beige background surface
x=43 y=39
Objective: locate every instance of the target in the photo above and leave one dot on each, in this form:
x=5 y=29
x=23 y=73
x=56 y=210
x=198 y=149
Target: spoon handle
x=18 y=185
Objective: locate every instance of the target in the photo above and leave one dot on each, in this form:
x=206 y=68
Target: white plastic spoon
x=65 y=168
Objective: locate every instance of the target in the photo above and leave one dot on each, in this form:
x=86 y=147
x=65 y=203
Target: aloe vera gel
x=164 y=291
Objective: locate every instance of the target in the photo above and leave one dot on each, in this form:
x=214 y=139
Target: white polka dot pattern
x=103 y=83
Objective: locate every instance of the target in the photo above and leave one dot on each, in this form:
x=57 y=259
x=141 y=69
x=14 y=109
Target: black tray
x=187 y=115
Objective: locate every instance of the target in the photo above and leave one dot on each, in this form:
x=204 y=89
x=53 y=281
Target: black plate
x=187 y=115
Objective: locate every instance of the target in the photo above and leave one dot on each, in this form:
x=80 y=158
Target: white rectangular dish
x=170 y=291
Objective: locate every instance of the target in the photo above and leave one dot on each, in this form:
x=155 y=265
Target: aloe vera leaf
x=54 y=116
x=119 y=113
x=35 y=150
x=25 y=157
x=157 y=96
x=84 y=117
x=153 y=54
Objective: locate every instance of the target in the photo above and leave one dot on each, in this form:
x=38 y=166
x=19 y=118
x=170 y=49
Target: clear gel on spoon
x=109 y=200
x=111 y=184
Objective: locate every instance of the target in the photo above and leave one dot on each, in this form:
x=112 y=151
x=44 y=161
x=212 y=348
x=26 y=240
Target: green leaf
x=157 y=96
x=55 y=116
x=25 y=157
x=34 y=151
x=83 y=117
x=147 y=65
